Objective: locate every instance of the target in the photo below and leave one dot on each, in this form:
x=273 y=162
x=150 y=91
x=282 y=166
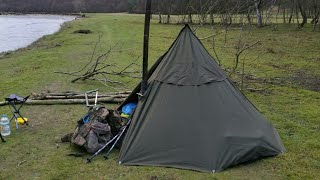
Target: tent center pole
x=144 y=82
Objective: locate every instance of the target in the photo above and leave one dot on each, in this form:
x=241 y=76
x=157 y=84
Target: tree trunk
x=290 y=17
x=160 y=19
x=189 y=12
x=315 y=22
x=230 y=20
x=211 y=17
x=168 y=18
x=297 y=17
x=189 y=17
x=303 y=14
x=257 y=4
x=249 y=17
x=159 y=12
x=316 y=13
x=284 y=15
x=169 y=11
x=241 y=19
x=211 y=12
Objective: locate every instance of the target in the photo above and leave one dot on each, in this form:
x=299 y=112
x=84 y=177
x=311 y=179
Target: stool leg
x=16 y=112
x=2 y=138
x=16 y=120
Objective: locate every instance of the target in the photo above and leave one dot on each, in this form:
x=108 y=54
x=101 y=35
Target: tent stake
x=144 y=82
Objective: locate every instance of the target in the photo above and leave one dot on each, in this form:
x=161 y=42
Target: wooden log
x=77 y=97
x=81 y=93
x=74 y=95
x=60 y=94
x=69 y=101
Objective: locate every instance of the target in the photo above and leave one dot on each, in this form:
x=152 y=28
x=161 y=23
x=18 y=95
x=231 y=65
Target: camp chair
x=13 y=100
x=95 y=99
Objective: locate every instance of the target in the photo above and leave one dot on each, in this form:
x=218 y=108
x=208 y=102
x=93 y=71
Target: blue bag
x=128 y=108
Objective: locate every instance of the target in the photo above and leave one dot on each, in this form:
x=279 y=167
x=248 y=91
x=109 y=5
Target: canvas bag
x=93 y=130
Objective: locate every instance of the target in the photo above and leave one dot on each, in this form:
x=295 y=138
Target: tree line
x=63 y=6
x=225 y=12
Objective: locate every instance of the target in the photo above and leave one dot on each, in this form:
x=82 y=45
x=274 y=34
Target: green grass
x=292 y=106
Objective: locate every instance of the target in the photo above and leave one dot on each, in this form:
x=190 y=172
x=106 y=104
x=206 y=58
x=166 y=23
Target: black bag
x=116 y=121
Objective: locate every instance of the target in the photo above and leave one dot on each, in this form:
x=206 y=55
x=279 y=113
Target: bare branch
x=212 y=35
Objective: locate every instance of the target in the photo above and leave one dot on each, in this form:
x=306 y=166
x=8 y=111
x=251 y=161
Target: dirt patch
x=300 y=78
x=54 y=87
x=83 y=31
x=277 y=66
x=313 y=59
x=271 y=50
x=303 y=79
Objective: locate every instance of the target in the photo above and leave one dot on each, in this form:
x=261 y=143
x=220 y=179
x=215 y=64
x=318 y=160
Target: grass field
x=288 y=57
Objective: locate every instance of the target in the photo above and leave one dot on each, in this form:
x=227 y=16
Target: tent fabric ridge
x=189 y=74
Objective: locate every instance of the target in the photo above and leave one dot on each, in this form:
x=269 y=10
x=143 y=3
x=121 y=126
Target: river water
x=18 y=31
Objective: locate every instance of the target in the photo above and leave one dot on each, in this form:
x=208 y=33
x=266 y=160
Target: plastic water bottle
x=5 y=126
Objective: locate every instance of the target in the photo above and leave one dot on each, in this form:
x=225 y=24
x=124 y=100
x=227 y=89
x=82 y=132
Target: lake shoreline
x=57 y=26
x=42 y=13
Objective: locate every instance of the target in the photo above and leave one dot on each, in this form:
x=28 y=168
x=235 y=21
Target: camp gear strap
x=86 y=118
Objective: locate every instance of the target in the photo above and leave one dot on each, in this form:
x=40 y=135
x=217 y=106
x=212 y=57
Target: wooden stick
x=21 y=162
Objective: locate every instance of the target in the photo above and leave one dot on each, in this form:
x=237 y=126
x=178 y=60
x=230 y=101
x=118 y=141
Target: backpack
x=92 y=130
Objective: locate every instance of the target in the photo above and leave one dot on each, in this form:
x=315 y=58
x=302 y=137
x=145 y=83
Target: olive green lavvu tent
x=192 y=116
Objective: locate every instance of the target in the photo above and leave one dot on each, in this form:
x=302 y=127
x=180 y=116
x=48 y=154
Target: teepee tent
x=192 y=116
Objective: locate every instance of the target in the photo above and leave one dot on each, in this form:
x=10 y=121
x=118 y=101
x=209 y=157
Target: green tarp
x=193 y=117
